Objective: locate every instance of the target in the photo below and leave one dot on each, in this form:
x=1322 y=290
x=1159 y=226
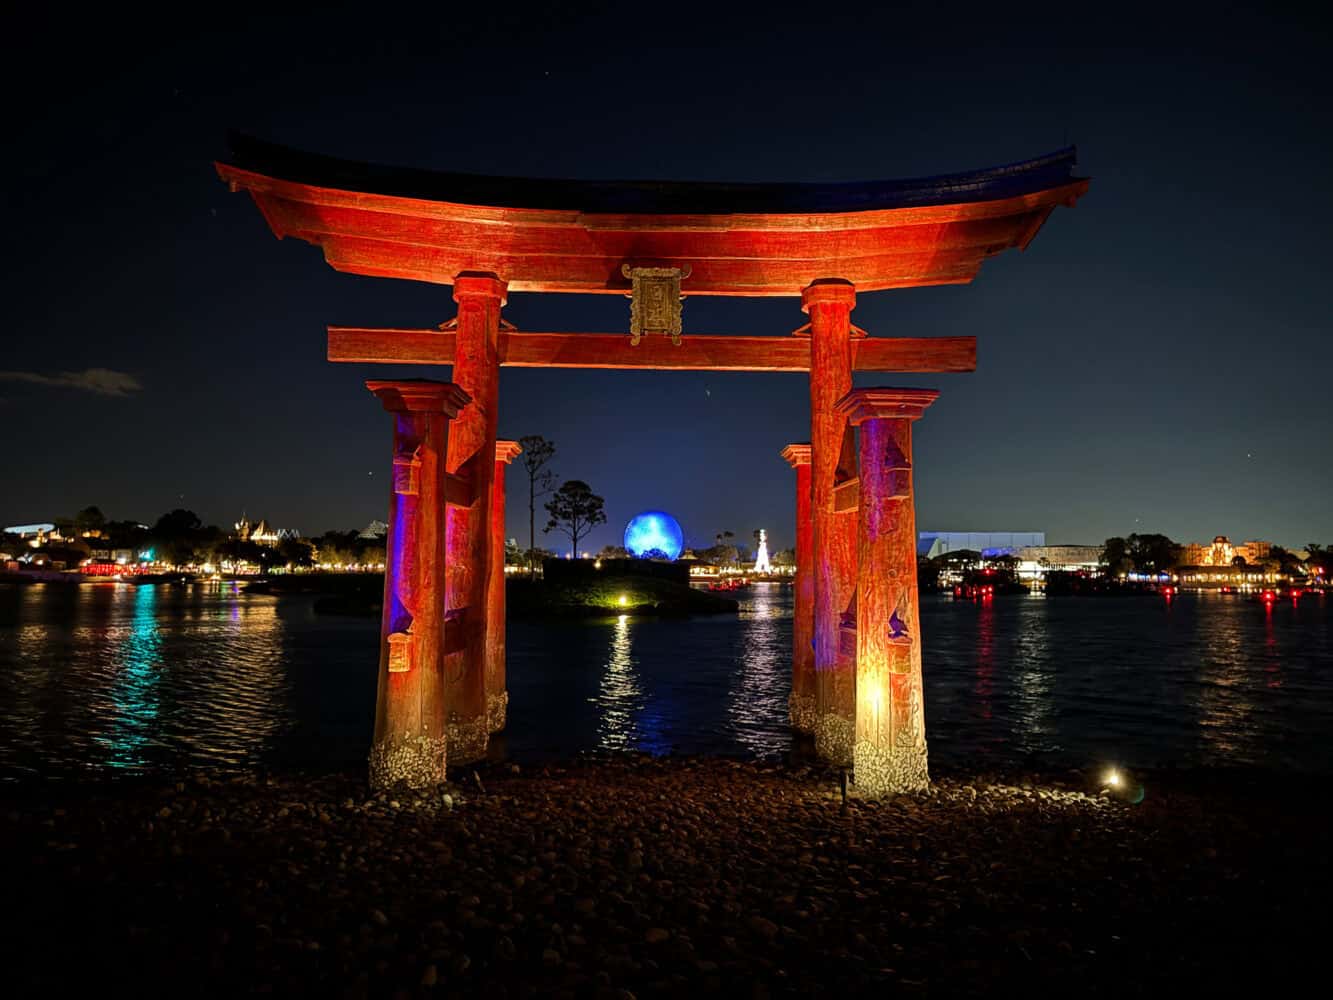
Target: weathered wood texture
x=409 y=746
x=697 y=352
x=890 y=749
x=801 y=705
x=829 y=304
x=570 y=251
x=847 y=496
x=472 y=444
x=497 y=693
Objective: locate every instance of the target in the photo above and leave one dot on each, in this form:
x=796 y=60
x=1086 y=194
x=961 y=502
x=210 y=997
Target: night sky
x=1158 y=360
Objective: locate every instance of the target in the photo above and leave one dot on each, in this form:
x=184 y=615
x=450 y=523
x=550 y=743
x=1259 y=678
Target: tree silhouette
x=537 y=452
x=574 y=510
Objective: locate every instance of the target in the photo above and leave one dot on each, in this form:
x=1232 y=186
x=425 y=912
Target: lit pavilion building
x=262 y=533
x=1220 y=552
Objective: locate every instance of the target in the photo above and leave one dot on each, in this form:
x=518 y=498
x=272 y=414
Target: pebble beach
x=632 y=876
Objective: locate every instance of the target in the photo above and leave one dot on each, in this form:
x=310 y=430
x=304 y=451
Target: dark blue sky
x=1158 y=360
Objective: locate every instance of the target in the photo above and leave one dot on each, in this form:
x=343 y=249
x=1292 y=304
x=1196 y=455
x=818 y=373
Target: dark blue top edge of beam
x=651 y=197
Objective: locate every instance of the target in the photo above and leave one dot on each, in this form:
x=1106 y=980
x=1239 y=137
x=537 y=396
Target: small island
x=588 y=588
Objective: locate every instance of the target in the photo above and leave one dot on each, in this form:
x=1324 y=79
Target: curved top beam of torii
x=574 y=236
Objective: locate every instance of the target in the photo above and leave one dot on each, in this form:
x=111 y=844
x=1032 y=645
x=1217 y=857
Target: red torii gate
x=856 y=680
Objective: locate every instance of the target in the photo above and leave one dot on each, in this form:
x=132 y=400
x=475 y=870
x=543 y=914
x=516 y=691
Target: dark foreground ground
x=634 y=877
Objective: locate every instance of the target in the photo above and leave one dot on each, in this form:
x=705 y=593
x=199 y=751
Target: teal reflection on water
x=134 y=694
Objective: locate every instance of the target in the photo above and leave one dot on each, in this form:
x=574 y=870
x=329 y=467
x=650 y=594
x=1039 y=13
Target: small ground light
x=623 y=600
x=1113 y=778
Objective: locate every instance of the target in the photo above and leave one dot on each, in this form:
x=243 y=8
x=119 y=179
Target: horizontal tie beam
x=697 y=352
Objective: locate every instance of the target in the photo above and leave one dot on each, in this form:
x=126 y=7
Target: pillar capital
x=861 y=405
x=507 y=451
x=419 y=395
x=479 y=285
x=797 y=454
x=828 y=291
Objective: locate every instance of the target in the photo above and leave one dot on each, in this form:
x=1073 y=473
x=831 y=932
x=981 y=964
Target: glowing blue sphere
x=654 y=531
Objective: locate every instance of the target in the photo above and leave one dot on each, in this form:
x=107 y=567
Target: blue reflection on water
x=134 y=692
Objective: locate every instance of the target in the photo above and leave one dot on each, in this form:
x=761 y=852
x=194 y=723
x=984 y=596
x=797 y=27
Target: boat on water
x=736 y=583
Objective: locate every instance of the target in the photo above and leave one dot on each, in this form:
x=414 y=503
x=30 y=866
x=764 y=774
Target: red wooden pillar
x=409 y=747
x=829 y=303
x=497 y=694
x=890 y=750
x=472 y=455
x=801 y=704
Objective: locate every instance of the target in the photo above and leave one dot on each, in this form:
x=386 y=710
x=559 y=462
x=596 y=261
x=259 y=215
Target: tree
x=784 y=557
x=1153 y=553
x=296 y=552
x=176 y=536
x=1239 y=562
x=124 y=534
x=575 y=509
x=89 y=519
x=1281 y=560
x=613 y=552
x=1115 y=556
x=928 y=573
x=346 y=547
x=537 y=452
x=177 y=524
x=1320 y=561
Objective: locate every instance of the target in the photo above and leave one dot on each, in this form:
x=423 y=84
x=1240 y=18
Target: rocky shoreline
x=632 y=876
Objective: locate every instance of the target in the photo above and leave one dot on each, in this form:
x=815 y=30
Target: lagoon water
x=118 y=678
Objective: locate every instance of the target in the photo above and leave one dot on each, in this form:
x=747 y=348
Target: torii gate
x=856 y=681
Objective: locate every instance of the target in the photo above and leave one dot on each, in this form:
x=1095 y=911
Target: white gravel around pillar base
x=467 y=740
x=833 y=739
x=801 y=711
x=415 y=762
x=878 y=770
x=497 y=708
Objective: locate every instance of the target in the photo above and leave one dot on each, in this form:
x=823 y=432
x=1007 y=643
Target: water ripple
x=119 y=677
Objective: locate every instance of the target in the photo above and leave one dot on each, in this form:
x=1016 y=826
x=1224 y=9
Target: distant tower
x=761 y=563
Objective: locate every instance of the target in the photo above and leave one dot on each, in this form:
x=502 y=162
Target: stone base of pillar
x=834 y=736
x=878 y=770
x=416 y=762
x=801 y=711
x=468 y=739
x=497 y=707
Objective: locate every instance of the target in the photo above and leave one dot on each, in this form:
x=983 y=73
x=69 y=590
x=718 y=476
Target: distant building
x=1220 y=552
x=1035 y=561
x=30 y=530
x=262 y=533
x=374 y=530
x=33 y=536
x=990 y=544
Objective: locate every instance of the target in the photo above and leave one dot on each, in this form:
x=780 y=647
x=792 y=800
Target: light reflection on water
x=133 y=697
x=761 y=680
x=620 y=698
x=139 y=677
x=158 y=678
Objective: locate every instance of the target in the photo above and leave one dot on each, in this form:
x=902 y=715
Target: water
x=158 y=678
